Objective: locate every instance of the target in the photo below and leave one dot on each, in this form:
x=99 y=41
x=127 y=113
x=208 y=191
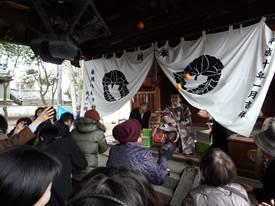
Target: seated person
x=131 y=155
x=182 y=115
x=218 y=172
x=142 y=115
x=265 y=141
x=27 y=176
x=115 y=187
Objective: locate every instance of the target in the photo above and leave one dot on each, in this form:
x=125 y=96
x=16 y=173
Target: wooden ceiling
x=96 y=27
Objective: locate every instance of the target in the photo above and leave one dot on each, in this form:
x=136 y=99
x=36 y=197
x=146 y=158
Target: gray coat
x=229 y=195
x=89 y=135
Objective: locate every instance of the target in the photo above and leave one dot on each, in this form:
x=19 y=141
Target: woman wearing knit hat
x=131 y=155
x=92 y=114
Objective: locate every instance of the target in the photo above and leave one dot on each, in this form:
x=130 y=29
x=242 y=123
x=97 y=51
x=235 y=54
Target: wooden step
x=176 y=167
x=164 y=193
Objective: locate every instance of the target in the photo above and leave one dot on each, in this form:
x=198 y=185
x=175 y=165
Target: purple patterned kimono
x=182 y=115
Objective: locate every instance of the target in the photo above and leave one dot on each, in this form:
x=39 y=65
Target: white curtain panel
x=230 y=73
x=109 y=83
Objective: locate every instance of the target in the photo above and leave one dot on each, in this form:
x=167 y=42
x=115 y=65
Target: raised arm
x=27 y=133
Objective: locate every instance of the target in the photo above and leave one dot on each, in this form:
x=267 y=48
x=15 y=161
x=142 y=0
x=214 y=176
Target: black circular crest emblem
x=205 y=65
x=112 y=78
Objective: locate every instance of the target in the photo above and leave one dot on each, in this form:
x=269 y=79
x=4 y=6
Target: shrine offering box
x=243 y=151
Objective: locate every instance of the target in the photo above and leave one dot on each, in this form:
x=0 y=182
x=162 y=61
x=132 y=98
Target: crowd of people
x=45 y=161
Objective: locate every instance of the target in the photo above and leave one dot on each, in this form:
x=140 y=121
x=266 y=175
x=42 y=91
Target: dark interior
x=90 y=28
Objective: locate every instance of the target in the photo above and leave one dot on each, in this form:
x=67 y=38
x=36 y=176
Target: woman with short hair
x=218 y=171
x=26 y=176
x=115 y=187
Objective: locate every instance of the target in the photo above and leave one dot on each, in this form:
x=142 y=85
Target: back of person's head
x=64 y=130
x=67 y=116
x=217 y=168
x=3 y=124
x=127 y=131
x=25 y=175
x=98 y=200
x=48 y=135
x=115 y=187
x=92 y=114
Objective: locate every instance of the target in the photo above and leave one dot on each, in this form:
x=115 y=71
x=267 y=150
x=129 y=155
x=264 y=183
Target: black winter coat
x=71 y=158
x=144 y=121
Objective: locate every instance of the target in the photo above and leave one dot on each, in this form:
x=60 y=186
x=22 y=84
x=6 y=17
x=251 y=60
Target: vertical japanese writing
x=259 y=79
x=89 y=94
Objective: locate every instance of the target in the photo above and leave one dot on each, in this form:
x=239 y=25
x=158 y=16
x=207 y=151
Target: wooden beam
x=44 y=18
x=80 y=10
x=169 y=27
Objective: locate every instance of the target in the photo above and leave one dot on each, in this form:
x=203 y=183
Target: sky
x=18 y=74
x=20 y=70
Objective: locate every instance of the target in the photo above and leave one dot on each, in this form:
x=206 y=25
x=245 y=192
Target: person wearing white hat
x=265 y=141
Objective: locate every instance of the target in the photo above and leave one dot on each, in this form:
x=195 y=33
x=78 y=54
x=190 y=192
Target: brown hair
x=217 y=168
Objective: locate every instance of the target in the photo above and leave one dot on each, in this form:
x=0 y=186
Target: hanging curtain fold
x=110 y=83
x=226 y=73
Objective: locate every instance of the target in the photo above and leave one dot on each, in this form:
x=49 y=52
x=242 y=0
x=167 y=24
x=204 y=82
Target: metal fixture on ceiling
x=67 y=28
